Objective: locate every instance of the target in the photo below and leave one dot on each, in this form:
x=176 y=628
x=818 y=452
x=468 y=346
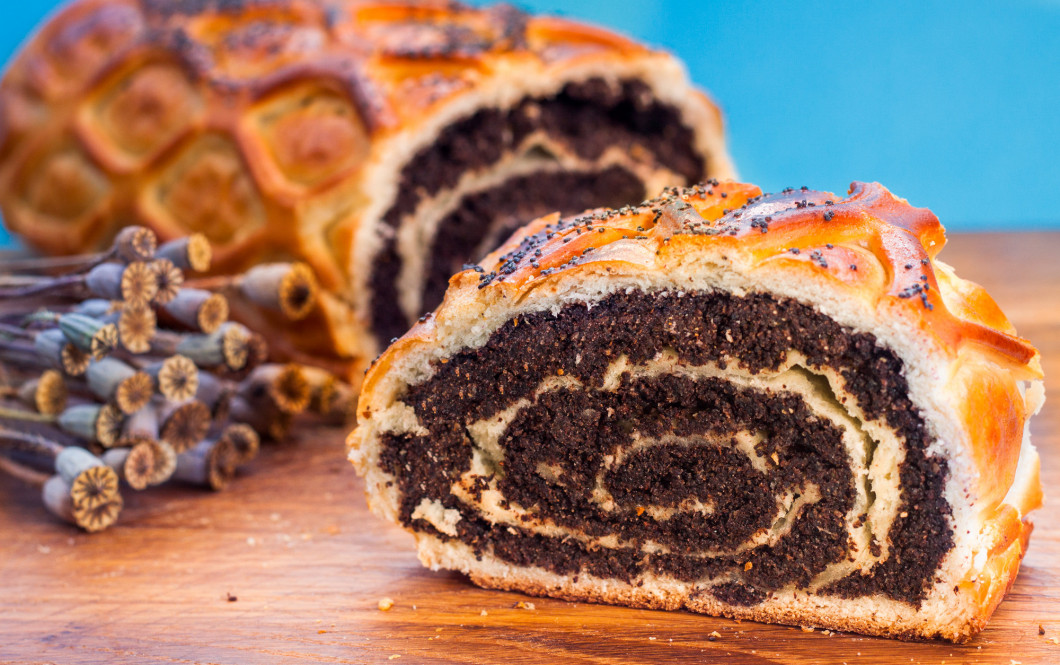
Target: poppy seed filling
x=654 y=461
x=587 y=117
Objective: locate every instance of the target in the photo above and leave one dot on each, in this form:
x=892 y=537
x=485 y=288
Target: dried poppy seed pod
x=135 y=243
x=221 y=411
x=216 y=394
x=211 y=390
x=272 y=423
x=137 y=326
x=48 y=345
x=199 y=309
x=188 y=253
x=257 y=352
x=91 y=481
x=210 y=463
x=144 y=424
x=176 y=377
x=227 y=347
x=56 y=495
x=47 y=393
x=170 y=279
x=93 y=422
x=323 y=387
x=89 y=334
x=104 y=280
x=114 y=381
x=184 y=425
x=245 y=441
x=96 y=308
x=136 y=464
x=290 y=288
x=139 y=283
x=285 y=385
x=167 y=462
x=74 y=360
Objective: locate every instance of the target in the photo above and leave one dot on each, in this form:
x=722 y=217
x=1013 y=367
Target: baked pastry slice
x=774 y=407
x=384 y=143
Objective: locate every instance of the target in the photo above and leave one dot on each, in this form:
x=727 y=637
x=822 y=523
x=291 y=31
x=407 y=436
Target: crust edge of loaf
x=957 y=621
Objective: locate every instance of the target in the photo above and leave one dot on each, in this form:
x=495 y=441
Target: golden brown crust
x=891 y=243
x=872 y=253
x=257 y=123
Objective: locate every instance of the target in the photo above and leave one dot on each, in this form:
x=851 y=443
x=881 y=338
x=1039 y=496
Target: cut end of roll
x=721 y=400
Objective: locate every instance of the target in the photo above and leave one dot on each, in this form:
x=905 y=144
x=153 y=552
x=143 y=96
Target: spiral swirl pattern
x=743 y=444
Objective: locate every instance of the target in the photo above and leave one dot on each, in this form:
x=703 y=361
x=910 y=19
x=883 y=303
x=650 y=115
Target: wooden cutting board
x=288 y=566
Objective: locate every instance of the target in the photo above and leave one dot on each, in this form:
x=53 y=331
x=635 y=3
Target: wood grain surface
x=288 y=566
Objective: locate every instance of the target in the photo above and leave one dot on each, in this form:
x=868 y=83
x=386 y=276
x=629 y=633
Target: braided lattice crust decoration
x=384 y=144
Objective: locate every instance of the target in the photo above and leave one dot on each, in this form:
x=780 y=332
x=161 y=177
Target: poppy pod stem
x=30 y=443
x=15 y=331
x=133 y=243
x=46 y=286
x=25 y=416
x=21 y=472
x=49 y=263
x=23 y=355
x=43 y=316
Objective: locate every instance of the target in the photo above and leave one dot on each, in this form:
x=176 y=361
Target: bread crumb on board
x=385 y=604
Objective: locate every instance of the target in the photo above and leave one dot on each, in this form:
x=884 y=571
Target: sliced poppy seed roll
x=773 y=407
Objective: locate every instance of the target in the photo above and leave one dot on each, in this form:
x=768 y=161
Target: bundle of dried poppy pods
x=118 y=370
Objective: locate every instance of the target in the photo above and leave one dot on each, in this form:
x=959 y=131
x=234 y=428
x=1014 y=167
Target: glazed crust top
x=871 y=241
x=394 y=60
x=271 y=126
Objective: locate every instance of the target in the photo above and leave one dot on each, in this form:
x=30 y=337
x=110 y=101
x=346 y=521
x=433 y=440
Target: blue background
x=953 y=105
